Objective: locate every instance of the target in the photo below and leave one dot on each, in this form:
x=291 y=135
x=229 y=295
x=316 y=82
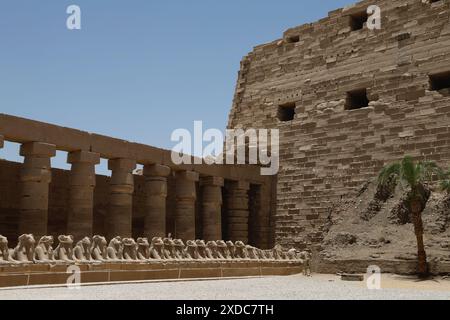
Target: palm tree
x=414 y=176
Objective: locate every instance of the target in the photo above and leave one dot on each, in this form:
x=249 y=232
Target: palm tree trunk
x=416 y=210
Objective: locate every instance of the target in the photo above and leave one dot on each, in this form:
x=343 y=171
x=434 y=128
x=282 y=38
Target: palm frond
x=445 y=186
x=389 y=172
x=430 y=168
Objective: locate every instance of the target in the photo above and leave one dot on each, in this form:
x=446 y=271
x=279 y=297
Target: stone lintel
x=156 y=170
x=212 y=181
x=38 y=149
x=122 y=164
x=84 y=157
x=188 y=175
x=240 y=185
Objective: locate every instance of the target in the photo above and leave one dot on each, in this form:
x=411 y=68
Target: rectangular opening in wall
x=440 y=82
x=286 y=112
x=357 y=99
x=293 y=39
x=357 y=20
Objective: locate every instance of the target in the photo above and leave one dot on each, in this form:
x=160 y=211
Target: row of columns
x=35 y=179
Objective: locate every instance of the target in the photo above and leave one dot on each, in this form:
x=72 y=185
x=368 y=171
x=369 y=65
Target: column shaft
x=35 y=177
x=155 y=202
x=238 y=213
x=81 y=194
x=121 y=198
x=212 y=208
x=185 y=206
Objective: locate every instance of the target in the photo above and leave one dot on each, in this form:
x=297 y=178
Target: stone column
x=81 y=194
x=119 y=222
x=185 y=206
x=155 y=202
x=212 y=208
x=238 y=213
x=35 y=177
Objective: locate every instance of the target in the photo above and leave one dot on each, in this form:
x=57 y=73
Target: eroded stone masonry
x=347 y=101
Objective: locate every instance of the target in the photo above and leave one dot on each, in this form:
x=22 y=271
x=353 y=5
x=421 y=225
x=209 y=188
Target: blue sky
x=138 y=69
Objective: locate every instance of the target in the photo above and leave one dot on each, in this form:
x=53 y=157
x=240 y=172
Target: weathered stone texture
x=328 y=151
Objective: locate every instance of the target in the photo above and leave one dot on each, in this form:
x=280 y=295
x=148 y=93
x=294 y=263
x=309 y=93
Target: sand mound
x=376 y=224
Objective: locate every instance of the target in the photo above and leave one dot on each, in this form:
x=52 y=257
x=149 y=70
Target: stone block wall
x=320 y=74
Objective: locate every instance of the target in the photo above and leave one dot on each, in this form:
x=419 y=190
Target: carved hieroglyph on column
x=212 y=208
x=81 y=194
x=119 y=221
x=185 y=206
x=155 y=202
x=35 y=177
x=238 y=213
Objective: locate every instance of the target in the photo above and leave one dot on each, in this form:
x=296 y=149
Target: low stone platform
x=36 y=274
x=395 y=266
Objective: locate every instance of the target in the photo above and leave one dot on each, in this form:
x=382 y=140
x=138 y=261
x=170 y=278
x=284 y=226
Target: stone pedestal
x=238 y=212
x=81 y=194
x=35 y=177
x=120 y=215
x=185 y=206
x=155 y=202
x=212 y=208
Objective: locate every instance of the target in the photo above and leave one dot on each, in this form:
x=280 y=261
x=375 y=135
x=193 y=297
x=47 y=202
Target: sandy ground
x=323 y=287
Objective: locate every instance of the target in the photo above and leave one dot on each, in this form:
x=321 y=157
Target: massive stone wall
x=325 y=71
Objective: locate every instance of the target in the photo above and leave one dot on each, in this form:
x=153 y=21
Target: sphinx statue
x=202 y=250
x=252 y=253
x=5 y=256
x=99 y=249
x=213 y=250
x=24 y=251
x=240 y=251
x=115 y=249
x=222 y=248
x=231 y=248
x=278 y=253
x=306 y=256
x=191 y=250
x=143 y=249
x=64 y=250
x=82 y=250
x=179 y=249
x=44 y=250
x=129 y=249
x=169 y=249
x=157 y=249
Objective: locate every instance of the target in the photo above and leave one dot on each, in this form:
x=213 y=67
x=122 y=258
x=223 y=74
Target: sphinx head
x=191 y=244
x=240 y=245
x=27 y=240
x=99 y=241
x=157 y=242
x=211 y=245
x=168 y=243
x=143 y=242
x=200 y=244
x=230 y=245
x=179 y=244
x=3 y=243
x=46 y=240
x=221 y=244
x=65 y=240
x=129 y=242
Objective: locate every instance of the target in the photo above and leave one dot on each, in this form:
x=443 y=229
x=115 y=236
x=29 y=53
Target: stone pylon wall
x=328 y=151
